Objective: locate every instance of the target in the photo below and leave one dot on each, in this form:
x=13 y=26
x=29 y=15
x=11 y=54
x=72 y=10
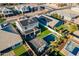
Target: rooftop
x=26 y=22
x=67 y=12
x=37 y=43
x=76 y=9
x=51 y=21
x=8 y=40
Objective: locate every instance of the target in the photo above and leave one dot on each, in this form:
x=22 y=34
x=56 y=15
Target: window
x=5 y=11
x=6 y=50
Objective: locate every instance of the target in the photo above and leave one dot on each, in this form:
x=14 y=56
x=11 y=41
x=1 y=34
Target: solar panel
x=28 y=22
x=24 y=22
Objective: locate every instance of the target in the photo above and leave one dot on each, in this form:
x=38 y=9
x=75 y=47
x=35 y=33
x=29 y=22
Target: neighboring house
x=23 y=9
x=28 y=25
x=34 y=8
x=29 y=8
x=67 y=14
x=6 y=11
x=76 y=9
x=9 y=39
x=49 y=21
x=38 y=44
x=72 y=47
x=42 y=7
x=37 y=8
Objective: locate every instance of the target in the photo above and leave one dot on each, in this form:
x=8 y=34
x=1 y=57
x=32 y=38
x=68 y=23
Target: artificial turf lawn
x=61 y=27
x=19 y=50
x=44 y=33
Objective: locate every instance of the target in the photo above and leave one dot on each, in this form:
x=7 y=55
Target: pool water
x=42 y=20
x=72 y=48
x=75 y=51
x=59 y=23
x=49 y=38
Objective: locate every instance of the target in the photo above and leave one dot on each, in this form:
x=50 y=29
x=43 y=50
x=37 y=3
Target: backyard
x=61 y=27
x=44 y=33
x=71 y=27
x=67 y=26
x=20 y=50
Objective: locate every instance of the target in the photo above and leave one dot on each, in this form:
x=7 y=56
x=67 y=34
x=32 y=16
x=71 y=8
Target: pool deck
x=64 y=51
x=53 y=31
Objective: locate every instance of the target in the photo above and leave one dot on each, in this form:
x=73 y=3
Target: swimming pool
x=71 y=47
x=75 y=50
x=59 y=23
x=49 y=38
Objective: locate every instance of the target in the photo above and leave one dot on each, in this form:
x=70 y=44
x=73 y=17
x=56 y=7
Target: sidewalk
x=14 y=18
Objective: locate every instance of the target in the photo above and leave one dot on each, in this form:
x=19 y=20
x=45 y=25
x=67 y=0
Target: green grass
x=72 y=27
x=14 y=24
x=44 y=33
x=61 y=27
x=2 y=20
x=19 y=50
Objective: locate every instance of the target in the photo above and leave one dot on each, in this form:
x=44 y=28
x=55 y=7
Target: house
x=23 y=9
x=13 y=41
x=28 y=26
x=34 y=8
x=72 y=47
x=9 y=39
x=6 y=11
x=38 y=44
x=67 y=14
x=38 y=7
x=42 y=7
x=49 y=21
x=76 y=9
